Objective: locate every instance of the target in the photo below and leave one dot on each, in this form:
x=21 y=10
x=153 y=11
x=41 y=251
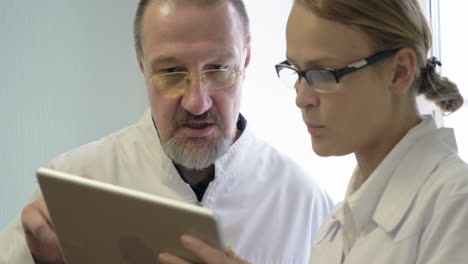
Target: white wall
x=67 y=76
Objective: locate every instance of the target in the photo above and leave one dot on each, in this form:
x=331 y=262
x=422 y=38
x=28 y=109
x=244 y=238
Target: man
x=193 y=145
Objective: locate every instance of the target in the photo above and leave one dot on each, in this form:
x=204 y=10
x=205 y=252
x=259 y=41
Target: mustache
x=183 y=117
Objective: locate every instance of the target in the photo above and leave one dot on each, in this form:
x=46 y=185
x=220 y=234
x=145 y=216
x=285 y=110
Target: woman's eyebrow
x=317 y=62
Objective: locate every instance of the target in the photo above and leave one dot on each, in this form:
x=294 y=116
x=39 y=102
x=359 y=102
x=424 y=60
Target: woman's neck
x=369 y=157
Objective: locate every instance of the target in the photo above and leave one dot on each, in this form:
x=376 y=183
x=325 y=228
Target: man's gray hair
x=238 y=5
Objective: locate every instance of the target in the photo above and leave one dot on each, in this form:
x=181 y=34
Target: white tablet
x=102 y=223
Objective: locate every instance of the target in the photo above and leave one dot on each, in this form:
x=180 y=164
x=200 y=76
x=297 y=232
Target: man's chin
x=196 y=153
x=196 y=142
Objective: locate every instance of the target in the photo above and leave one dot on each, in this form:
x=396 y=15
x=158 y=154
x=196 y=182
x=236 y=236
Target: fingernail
x=163 y=257
x=187 y=240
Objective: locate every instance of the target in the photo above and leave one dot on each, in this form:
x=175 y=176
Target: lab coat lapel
x=329 y=241
x=410 y=175
x=161 y=165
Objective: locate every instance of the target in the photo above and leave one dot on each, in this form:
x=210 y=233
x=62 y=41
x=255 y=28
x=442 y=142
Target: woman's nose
x=306 y=96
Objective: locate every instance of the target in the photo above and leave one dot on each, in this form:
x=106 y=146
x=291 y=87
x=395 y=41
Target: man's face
x=195 y=126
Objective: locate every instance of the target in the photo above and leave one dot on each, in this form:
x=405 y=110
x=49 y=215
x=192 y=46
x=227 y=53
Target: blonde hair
x=394 y=24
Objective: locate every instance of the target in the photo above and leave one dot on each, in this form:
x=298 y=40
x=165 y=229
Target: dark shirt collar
x=241 y=122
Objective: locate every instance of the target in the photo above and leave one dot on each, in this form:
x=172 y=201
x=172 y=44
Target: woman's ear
x=404 y=68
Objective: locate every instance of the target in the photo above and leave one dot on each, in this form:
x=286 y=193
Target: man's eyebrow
x=164 y=60
x=173 y=60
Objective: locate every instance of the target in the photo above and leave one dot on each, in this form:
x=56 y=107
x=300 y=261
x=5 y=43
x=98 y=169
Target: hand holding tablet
x=98 y=222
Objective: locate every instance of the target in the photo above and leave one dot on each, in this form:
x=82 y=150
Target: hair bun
x=443 y=92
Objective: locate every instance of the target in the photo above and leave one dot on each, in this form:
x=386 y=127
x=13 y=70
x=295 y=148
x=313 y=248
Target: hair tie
x=428 y=74
x=432 y=63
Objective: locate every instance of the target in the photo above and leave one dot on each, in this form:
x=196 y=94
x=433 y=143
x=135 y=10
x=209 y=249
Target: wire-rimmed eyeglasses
x=177 y=82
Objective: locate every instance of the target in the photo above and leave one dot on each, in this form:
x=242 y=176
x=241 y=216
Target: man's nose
x=196 y=99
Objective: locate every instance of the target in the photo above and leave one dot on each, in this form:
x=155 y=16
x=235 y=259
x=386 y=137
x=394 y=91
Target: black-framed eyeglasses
x=325 y=80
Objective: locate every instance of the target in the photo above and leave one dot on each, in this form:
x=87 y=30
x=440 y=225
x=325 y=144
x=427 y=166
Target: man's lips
x=198 y=125
x=195 y=129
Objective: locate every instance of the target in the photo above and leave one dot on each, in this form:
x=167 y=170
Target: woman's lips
x=314 y=129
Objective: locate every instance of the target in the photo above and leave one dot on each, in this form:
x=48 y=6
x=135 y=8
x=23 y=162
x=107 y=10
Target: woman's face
x=358 y=115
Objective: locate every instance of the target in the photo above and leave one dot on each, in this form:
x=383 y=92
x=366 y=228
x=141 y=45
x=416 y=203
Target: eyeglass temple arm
x=363 y=63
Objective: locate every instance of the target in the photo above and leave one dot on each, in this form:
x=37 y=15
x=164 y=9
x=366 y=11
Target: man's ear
x=247 y=56
x=404 y=68
x=139 y=57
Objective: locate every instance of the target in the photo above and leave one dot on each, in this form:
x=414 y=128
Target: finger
x=35 y=217
x=40 y=204
x=204 y=251
x=166 y=258
x=230 y=253
x=46 y=250
x=40 y=236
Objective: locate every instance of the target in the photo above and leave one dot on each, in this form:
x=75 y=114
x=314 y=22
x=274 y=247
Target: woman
x=357 y=67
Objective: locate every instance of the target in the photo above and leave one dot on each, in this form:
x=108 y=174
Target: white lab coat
x=269 y=208
x=412 y=209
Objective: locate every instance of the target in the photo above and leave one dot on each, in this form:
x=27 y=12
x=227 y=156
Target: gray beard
x=197 y=153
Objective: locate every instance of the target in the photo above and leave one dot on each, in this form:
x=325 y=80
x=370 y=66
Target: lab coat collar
x=413 y=170
x=400 y=190
x=159 y=157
